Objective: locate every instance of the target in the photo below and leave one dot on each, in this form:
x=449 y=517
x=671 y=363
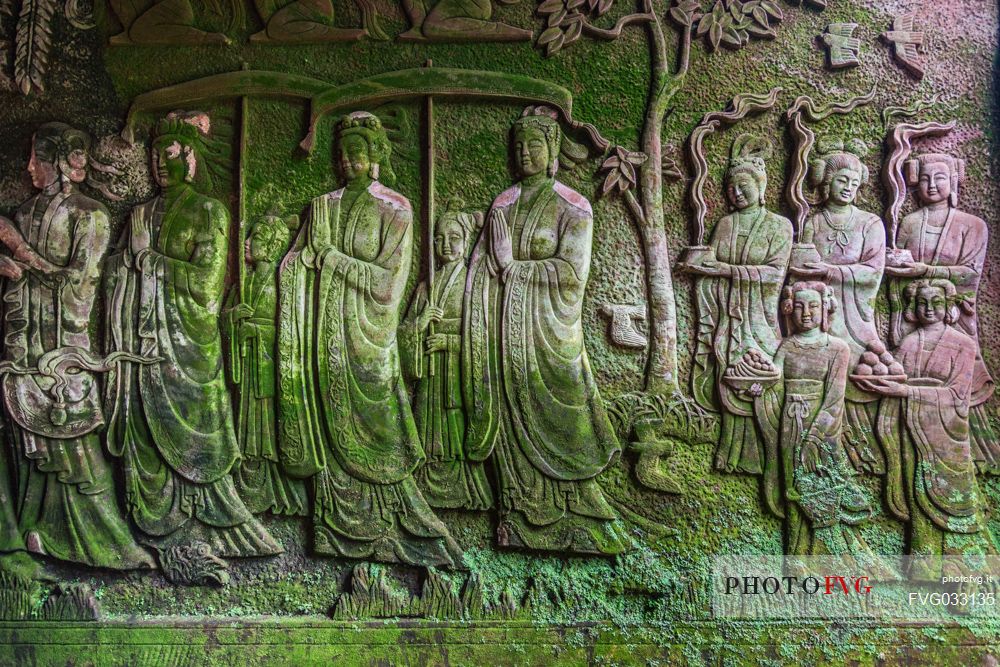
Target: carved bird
x=622 y=329
x=905 y=40
x=842 y=46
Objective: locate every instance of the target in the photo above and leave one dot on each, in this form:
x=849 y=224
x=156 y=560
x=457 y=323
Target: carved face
x=355 y=159
x=43 y=173
x=930 y=305
x=844 y=186
x=169 y=163
x=807 y=310
x=743 y=191
x=449 y=240
x=531 y=151
x=935 y=182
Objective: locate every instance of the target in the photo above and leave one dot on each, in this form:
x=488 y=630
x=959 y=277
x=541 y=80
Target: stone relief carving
x=166 y=296
x=622 y=319
x=906 y=43
x=842 y=47
x=458 y=21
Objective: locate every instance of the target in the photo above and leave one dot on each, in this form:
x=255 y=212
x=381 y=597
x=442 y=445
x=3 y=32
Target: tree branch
x=615 y=33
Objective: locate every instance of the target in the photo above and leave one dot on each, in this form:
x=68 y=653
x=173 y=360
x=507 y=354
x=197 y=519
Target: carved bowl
x=894 y=378
x=803 y=253
x=897 y=257
x=745 y=382
x=696 y=254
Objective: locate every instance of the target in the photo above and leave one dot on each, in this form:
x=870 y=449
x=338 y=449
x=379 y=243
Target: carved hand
x=810 y=457
x=139 y=239
x=503 y=251
x=430 y=314
x=710 y=267
x=242 y=311
x=247 y=331
x=11 y=237
x=811 y=270
x=437 y=342
x=884 y=387
x=911 y=270
x=9 y=268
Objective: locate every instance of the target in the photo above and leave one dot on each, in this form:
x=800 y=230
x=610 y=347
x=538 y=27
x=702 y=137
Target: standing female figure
x=530 y=390
x=737 y=303
x=344 y=411
x=851 y=245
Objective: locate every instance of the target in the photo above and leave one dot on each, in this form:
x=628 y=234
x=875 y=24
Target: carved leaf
x=555 y=44
x=772 y=9
x=763 y=33
x=549 y=35
x=34 y=34
x=731 y=38
x=8 y=7
x=573 y=4
x=557 y=18
x=573 y=30
x=670 y=170
x=705 y=24
x=680 y=17
x=549 y=7
x=760 y=16
x=715 y=35
x=603 y=6
x=611 y=181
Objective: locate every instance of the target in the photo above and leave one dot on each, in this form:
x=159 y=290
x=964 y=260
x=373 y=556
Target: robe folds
x=856 y=253
x=173 y=423
x=530 y=393
x=66 y=501
x=928 y=432
x=344 y=413
x=737 y=313
x=956 y=251
x=450 y=478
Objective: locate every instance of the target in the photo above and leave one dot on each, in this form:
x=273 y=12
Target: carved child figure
x=737 y=302
x=251 y=325
x=452 y=477
x=947 y=243
x=66 y=503
x=807 y=469
x=926 y=419
x=851 y=245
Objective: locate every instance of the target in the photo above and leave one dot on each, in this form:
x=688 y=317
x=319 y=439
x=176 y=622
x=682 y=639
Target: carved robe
x=344 y=411
x=261 y=483
x=173 y=423
x=856 y=250
x=807 y=405
x=450 y=478
x=735 y=314
x=955 y=251
x=930 y=428
x=66 y=501
x=529 y=387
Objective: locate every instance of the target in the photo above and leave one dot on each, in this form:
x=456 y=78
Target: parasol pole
x=429 y=210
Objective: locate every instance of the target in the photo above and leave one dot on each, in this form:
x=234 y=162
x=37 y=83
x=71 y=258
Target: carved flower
x=619 y=169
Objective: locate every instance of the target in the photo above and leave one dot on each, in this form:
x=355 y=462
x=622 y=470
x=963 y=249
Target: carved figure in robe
x=458 y=21
x=851 y=245
x=924 y=422
x=173 y=422
x=65 y=502
x=452 y=477
x=950 y=244
x=531 y=395
x=251 y=327
x=736 y=298
x=345 y=416
x=310 y=22
x=808 y=477
x=167 y=22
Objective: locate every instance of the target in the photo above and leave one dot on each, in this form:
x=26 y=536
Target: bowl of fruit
x=754 y=368
x=878 y=363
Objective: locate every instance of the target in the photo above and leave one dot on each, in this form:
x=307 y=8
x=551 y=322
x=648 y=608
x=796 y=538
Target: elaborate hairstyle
x=951 y=296
x=69 y=150
x=956 y=166
x=203 y=153
x=470 y=223
x=368 y=126
x=275 y=233
x=826 y=293
x=833 y=157
x=563 y=151
x=748 y=156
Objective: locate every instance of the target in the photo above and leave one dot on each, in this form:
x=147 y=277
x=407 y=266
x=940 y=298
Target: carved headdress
x=203 y=153
x=70 y=150
x=563 y=151
x=748 y=156
x=825 y=291
x=368 y=126
x=956 y=166
x=470 y=223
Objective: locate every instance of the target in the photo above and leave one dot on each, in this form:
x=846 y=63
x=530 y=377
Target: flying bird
x=622 y=329
x=905 y=40
x=842 y=46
